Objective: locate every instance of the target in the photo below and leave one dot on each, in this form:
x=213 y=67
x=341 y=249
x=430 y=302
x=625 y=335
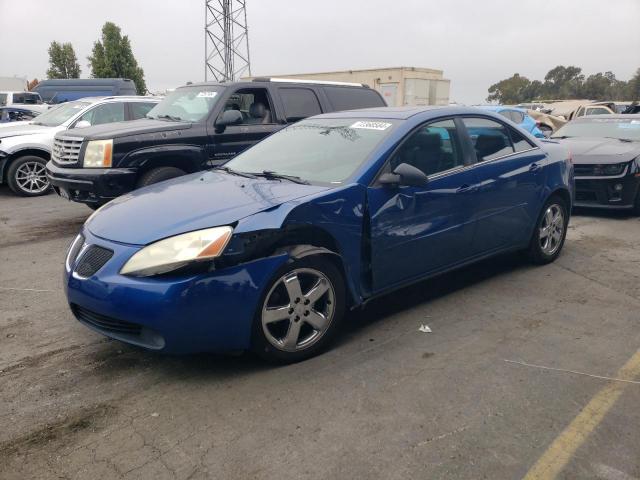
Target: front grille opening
x=92 y=260
x=119 y=329
x=585 y=196
x=65 y=151
x=103 y=322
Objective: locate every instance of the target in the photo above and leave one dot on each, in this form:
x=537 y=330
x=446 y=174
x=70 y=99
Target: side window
x=519 y=142
x=253 y=104
x=140 y=109
x=106 y=113
x=517 y=117
x=299 y=103
x=349 y=98
x=506 y=114
x=432 y=148
x=597 y=111
x=490 y=139
x=580 y=112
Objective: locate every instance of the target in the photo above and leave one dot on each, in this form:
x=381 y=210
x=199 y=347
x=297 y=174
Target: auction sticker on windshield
x=207 y=94
x=371 y=125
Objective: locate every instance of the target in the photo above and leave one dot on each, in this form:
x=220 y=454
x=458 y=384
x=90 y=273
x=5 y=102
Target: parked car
x=518 y=116
x=269 y=251
x=66 y=90
x=21 y=98
x=195 y=127
x=26 y=146
x=18 y=113
x=606 y=156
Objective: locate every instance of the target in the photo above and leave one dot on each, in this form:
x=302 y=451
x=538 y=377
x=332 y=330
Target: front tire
x=27 y=176
x=300 y=311
x=550 y=232
x=159 y=175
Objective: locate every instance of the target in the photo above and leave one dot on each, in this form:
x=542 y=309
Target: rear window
x=299 y=103
x=349 y=98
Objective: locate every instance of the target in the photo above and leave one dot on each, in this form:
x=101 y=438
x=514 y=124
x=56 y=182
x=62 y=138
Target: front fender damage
x=323 y=224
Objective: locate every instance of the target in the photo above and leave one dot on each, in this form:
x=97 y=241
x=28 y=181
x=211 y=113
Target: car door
x=415 y=231
x=510 y=176
x=258 y=121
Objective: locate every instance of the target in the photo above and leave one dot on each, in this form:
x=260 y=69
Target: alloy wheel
x=31 y=177
x=298 y=309
x=551 y=229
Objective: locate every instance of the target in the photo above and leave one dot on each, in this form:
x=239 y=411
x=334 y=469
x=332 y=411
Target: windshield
x=3 y=99
x=621 y=128
x=189 y=104
x=315 y=150
x=58 y=115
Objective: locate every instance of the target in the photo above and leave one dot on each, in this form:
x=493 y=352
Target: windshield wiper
x=622 y=139
x=562 y=137
x=170 y=117
x=271 y=175
x=235 y=172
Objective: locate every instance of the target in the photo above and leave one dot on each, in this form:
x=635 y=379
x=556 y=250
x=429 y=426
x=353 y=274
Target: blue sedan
x=269 y=252
x=518 y=116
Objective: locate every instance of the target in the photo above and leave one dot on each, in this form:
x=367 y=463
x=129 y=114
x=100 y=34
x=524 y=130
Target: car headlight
x=98 y=154
x=175 y=252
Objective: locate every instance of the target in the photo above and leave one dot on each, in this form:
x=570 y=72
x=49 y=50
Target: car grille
x=92 y=260
x=103 y=322
x=596 y=170
x=65 y=150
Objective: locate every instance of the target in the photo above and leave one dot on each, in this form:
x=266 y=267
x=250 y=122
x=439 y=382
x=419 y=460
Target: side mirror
x=83 y=124
x=405 y=174
x=229 y=117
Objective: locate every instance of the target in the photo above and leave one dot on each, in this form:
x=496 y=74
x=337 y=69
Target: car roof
x=115 y=98
x=500 y=108
x=618 y=116
x=402 y=113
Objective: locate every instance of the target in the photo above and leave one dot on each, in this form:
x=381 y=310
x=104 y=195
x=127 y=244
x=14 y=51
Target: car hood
x=601 y=150
x=125 y=129
x=188 y=203
x=22 y=129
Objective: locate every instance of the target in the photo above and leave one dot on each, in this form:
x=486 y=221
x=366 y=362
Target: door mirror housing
x=404 y=174
x=229 y=117
x=83 y=124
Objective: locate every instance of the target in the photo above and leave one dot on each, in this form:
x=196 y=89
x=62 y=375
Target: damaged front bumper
x=203 y=312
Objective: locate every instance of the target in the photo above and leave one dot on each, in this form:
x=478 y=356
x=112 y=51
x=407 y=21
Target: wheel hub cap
x=551 y=229
x=298 y=309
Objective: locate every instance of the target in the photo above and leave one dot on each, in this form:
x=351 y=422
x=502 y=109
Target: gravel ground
x=388 y=402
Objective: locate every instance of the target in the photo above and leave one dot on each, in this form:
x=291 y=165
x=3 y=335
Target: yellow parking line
x=556 y=457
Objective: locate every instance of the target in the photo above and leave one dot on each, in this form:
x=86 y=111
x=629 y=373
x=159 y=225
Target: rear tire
x=550 y=232
x=27 y=176
x=158 y=175
x=290 y=327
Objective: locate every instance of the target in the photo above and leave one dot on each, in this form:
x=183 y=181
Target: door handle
x=534 y=167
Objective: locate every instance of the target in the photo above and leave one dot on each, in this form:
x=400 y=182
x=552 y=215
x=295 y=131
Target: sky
x=475 y=42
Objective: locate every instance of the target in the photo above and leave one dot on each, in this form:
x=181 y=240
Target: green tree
x=633 y=87
x=563 y=82
x=112 y=57
x=511 y=90
x=62 y=61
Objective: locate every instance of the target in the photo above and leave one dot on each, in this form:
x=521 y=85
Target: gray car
x=606 y=158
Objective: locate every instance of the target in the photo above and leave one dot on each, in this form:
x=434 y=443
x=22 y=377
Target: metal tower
x=226 y=40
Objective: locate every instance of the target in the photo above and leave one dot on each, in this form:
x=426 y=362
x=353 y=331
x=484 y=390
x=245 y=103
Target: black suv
x=196 y=127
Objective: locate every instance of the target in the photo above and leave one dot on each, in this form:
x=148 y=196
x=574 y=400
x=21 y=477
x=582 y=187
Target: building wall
x=412 y=85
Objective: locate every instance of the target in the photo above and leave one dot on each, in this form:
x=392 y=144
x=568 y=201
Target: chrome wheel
x=551 y=229
x=31 y=177
x=298 y=309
